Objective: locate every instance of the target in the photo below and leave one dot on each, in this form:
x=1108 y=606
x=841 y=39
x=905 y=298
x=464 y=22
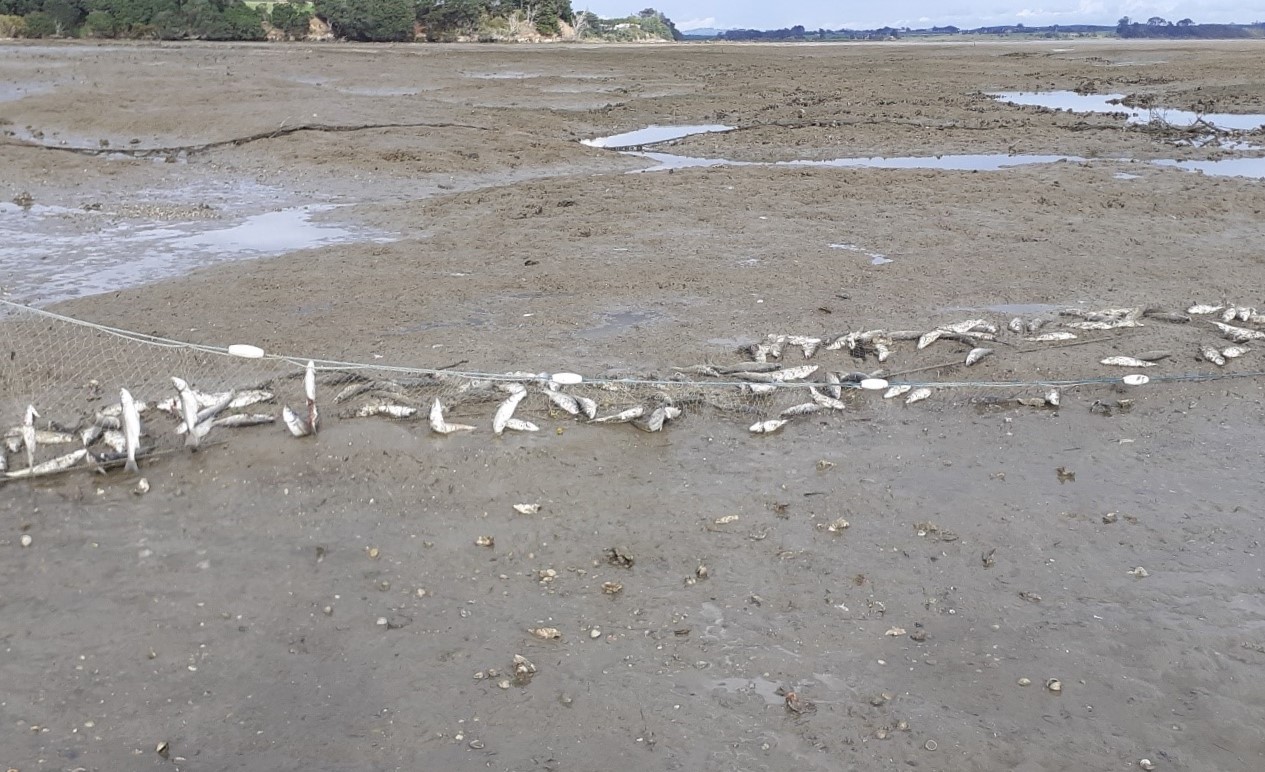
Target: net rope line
x=333 y=365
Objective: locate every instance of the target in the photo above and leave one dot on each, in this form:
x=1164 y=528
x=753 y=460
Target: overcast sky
x=831 y=14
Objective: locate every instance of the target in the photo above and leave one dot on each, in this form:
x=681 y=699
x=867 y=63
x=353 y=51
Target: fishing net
x=72 y=371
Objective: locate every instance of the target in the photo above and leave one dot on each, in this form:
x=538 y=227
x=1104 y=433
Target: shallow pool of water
x=653 y=135
x=1108 y=103
x=50 y=253
x=966 y=162
x=618 y=322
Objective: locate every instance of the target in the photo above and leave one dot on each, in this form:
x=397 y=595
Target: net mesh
x=71 y=371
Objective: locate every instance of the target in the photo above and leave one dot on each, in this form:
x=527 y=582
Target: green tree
x=40 y=25
x=374 y=20
x=291 y=19
x=100 y=24
x=66 y=14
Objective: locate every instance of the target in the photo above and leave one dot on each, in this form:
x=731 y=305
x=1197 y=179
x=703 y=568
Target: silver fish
x=1246 y=313
x=441 y=426
x=1016 y=326
x=519 y=425
x=698 y=370
x=622 y=417
x=803 y=409
x=928 y=338
x=59 y=464
x=506 y=410
x=1230 y=314
x=671 y=413
x=827 y=401
x=882 y=351
x=295 y=424
x=588 y=406
x=1234 y=352
x=239 y=420
x=565 y=402
x=1047 y=337
x=309 y=390
x=832 y=387
x=653 y=422
x=384 y=409
x=806 y=344
x=131 y=429
x=188 y=407
x=918 y=395
x=904 y=335
x=1167 y=316
x=207 y=414
x=115 y=411
x=897 y=390
x=14 y=442
x=28 y=435
x=15 y=438
x=250 y=397
x=976 y=354
x=970 y=325
x=115 y=440
x=1119 y=361
x=1202 y=309
x=760 y=388
x=1211 y=354
x=748 y=367
x=768 y=427
x=1239 y=334
x=794 y=373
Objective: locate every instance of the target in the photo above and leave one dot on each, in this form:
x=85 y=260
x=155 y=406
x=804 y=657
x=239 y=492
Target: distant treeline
x=1155 y=27
x=1158 y=27
x=163 y=19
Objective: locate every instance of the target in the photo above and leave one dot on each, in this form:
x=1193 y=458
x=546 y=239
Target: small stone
x=504 y=683
x=702 y=572
x=476 y=745
x=546 y=633
x=895 y=632
x=421 y=592
x=595 y=633
x=1054 y=685
x=1146 y=764
x=1025 y=682
x=1139 y=573
x=328 y=611
x=1110 y=518
x=373 y=553
x=142 y=487
x=484 y=541
x=612 y=588
x=382 y=622
x=25 y=540
x=931 y=745
x=526 y=509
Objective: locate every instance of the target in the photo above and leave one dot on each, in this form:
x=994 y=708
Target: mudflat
x=323 y=604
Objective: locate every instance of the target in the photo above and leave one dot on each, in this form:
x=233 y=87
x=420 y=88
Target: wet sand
x=233 y=611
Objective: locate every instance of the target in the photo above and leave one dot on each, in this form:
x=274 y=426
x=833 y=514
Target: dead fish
x=1239 y=334
x=250 y=397
x=1202 y=309
x=711 y=372
x=1230 y=314
x=29 y=435
x=768 y=427
x=852 y=339
x=1119 y=361
x=802 y=409
x=1211 y=354
x=131 y=429
x=806 y=344
x=929 y=338
x=384 y=409
x=1032 y=401
x=115 y=440
x=976 y=354
x=918 y=395
x=296 y=425
x=881 y=351
x=519 y=425
x=1048 y=337
x=902 y=335
x=1016 y=326
x=356 y=389
x=969 y=325
x=760 y=388
x=565 y=402
x=207 y=414
x=1234 y=352
x=14 y=438
x=622 y=417
x=794 y=373
x=506 y=409
x=239 y=420
x=1034 y=325
x=748 y=367
x=1155 y=356
x=4 y=462
x=188 y=409
x=896 y=391
x=1053 y=398
x=826 y=401
x=59 y=464
x=653 y=422
x=588 y=406
x=309 y=390
x=441 y=426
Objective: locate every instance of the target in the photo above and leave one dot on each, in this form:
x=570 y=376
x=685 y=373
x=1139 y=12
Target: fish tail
x=131 y=466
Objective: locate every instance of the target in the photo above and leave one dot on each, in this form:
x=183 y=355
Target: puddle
x=984 y=162
x=652 y=135
x=1102 y=103
x=379 y=91
x=760 y=686
x=1126 y=176
x=12 y=92
x=876 y=258
x=1225 y=167
x=50 y=253
x=619 y=322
